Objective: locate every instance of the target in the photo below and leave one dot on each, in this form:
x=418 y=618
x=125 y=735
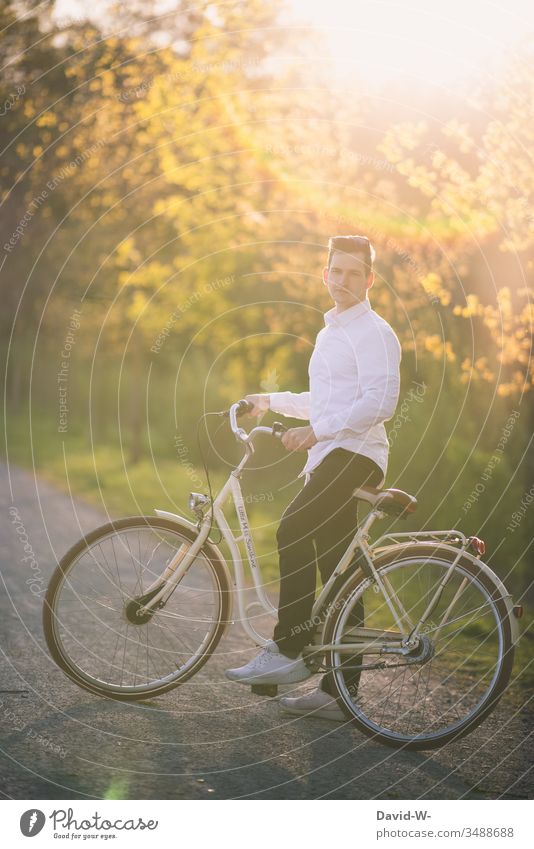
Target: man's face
x=347 y=279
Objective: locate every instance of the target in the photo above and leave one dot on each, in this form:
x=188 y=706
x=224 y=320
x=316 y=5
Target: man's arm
x=378 y=369
x=295 y=404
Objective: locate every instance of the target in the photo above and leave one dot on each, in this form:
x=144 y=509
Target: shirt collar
x=343 y=318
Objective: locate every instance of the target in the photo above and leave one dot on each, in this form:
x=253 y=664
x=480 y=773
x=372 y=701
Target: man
x=354 y=389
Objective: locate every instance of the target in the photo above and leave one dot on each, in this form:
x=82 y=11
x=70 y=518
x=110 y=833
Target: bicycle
x=138 y=606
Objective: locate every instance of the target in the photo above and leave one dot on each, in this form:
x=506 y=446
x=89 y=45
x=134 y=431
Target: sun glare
x=437 y=42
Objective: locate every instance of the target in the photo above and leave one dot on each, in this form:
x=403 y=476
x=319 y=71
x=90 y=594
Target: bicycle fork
x=162 y=588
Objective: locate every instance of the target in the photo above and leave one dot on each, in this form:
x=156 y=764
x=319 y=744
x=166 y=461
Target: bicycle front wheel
x=91 y=621
x=447 y=686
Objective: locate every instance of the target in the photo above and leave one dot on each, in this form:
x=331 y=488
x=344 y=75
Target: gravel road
x=209 y=738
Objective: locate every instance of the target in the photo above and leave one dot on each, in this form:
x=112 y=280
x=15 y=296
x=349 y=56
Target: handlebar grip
x=278 y=429
x=244 y=407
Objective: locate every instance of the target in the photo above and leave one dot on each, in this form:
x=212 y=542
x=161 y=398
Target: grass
x=102 y=476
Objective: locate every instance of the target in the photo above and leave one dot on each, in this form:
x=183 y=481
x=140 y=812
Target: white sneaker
x=317 y=705
x=270 y=666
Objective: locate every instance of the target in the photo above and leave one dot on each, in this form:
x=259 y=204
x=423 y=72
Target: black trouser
x=325 y=513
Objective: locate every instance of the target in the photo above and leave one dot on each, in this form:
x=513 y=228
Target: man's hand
x=298 y=438
x=260 y=402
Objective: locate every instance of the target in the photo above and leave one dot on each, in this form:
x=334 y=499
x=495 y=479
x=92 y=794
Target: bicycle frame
x=367 y=639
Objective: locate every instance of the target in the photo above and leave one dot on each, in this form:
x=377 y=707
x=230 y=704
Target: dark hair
x=352 y=245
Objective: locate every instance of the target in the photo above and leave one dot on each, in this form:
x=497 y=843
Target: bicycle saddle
x=394 y=502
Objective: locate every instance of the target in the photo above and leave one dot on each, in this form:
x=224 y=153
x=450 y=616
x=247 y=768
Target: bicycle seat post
x=368 y=522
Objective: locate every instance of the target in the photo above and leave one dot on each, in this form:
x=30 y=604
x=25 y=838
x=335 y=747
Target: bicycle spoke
x=97 y=601
x=402 y=612
x=459 y=618
x=112 y=661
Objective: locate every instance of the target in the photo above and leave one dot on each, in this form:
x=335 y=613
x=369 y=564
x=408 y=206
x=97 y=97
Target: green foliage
x=179 y=193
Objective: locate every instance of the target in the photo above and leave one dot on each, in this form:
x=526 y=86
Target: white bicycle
x=138 y=606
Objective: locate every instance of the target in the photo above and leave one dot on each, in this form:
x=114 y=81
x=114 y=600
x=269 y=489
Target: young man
x=354 y=389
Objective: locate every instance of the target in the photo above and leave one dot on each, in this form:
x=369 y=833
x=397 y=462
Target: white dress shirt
x=354 y=386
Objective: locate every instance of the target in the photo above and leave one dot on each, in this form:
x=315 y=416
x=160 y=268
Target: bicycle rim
x=467 y=650
x=89 y=621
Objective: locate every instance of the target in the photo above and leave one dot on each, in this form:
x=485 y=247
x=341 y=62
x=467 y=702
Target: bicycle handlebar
x=239 y=409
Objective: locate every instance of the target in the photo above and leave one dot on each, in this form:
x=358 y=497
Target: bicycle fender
x=387 y=551
x=177 y=518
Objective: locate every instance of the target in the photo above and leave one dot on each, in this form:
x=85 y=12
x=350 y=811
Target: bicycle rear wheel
x=465 y=656
x=90 y=618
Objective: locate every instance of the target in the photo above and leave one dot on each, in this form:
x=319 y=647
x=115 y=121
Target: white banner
x=267 y=824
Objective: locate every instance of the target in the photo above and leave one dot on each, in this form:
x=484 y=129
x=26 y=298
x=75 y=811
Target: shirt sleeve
x=379 y=380
x=294 y=404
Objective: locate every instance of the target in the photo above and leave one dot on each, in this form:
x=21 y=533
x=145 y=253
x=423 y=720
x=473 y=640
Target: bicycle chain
x=420 y=658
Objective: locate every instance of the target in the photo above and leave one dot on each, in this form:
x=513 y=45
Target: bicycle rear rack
x=452 y=536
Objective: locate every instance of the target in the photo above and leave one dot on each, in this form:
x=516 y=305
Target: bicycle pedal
x=270 y=690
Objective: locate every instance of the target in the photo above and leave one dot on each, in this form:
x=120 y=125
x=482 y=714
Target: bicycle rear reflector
x=478 y=545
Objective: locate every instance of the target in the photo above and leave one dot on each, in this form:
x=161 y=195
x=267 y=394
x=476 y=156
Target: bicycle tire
x=52 y=622
x=350 y=589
